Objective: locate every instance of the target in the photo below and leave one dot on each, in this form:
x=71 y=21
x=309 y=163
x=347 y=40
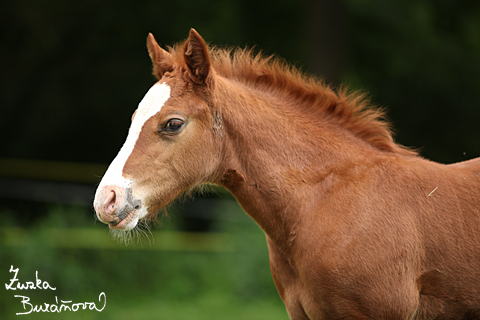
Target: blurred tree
x=421 y=59
x=72 y=73
x=326 y=31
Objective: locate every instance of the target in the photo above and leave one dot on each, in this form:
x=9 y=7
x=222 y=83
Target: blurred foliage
x=73 y=73
x=421 y=59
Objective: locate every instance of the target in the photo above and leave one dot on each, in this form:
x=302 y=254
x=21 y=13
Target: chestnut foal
x=357 y=226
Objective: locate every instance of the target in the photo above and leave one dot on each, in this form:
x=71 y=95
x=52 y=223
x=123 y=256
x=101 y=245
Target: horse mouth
x=126 y=223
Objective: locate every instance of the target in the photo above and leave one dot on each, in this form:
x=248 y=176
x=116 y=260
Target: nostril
x=110 y=202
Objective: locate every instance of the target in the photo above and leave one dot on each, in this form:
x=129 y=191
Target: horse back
x=473 y=164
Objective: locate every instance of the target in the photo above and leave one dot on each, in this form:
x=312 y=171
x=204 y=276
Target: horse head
x=172 y=144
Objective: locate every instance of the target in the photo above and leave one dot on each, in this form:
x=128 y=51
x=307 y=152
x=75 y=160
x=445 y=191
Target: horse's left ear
x=197 y=57
x=160 y=58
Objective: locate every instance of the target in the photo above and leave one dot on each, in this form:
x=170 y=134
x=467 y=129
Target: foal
x=357 y=226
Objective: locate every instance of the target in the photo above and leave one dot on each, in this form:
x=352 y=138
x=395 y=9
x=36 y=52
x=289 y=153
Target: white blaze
x=148 y=107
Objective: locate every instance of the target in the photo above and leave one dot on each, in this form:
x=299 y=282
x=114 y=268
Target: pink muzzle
x=114 y=203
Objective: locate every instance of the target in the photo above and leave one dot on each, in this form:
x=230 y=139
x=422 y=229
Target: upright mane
x=352 y=110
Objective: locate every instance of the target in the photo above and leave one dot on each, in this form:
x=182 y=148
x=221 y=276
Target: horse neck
x=277 y=159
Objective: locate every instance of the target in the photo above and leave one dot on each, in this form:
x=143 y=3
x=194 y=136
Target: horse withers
x=357 y=226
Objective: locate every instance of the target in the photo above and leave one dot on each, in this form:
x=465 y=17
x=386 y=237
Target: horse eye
x=173 y=125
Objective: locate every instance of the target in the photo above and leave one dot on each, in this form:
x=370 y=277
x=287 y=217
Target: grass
x=142 y=307
x=172 y=275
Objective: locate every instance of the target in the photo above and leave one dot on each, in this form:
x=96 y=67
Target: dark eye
x=173 y=125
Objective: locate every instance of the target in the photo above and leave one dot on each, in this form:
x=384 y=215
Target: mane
x=352 y=110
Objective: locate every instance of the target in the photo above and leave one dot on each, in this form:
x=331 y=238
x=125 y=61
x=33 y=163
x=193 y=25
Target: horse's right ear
x=160 y=57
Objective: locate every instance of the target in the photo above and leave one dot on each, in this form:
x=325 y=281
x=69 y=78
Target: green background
x=72 y=73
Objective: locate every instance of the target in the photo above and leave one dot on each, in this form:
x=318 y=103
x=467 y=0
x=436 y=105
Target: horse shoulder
x=358 y=244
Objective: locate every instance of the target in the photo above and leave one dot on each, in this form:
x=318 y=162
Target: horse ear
x=197 y=57
x=160 y=58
